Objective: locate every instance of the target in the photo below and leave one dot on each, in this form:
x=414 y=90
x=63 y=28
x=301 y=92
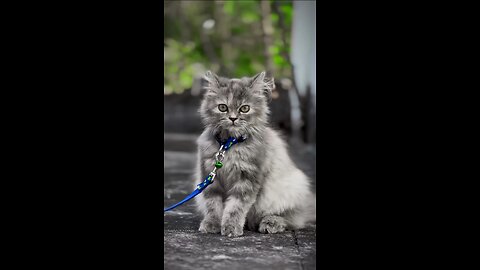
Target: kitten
x=258 y=186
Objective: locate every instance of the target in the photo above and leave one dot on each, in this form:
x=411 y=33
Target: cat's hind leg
x=272 y=224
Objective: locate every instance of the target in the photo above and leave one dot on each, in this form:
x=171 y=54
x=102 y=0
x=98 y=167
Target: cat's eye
x=222 y=107
x=245 y=108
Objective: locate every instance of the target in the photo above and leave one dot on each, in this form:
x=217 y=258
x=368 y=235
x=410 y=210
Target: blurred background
x=236 y=39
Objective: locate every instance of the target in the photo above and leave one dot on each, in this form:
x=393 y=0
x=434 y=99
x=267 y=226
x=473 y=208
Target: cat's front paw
x=232 y=230
x=209 y=226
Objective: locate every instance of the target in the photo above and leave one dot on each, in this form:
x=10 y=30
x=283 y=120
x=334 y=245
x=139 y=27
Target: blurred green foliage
x=232 y=38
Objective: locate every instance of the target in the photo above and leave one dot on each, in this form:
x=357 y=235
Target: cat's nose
x=233 y=119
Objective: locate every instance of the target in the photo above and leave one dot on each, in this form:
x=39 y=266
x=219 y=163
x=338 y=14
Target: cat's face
x=237 y=106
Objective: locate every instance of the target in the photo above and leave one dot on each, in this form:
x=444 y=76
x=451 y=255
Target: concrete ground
x=186 y=248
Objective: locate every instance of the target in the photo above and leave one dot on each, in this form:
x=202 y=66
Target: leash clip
x=220 y=156
x=212 y=174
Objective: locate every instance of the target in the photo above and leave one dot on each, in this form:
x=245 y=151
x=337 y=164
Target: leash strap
x=224 y=146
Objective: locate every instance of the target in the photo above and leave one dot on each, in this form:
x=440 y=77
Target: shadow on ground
x=186 y=248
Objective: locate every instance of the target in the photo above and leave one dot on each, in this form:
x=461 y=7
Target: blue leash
x=224 y=146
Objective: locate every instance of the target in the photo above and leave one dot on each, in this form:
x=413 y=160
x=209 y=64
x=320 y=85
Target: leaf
x=278 y=60
x=287 y=10
x=274 y=18
x=228 y=7
x=250 y=17
x=273 y=50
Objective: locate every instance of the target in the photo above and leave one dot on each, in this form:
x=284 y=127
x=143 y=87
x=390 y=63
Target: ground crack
x=297 y=246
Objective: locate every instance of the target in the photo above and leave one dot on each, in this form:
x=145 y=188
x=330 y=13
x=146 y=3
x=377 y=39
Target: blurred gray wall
x=303 y=57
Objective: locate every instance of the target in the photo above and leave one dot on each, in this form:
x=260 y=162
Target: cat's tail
x=304 y=216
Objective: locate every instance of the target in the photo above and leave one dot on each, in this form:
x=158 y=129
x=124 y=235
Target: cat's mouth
x=234 y=127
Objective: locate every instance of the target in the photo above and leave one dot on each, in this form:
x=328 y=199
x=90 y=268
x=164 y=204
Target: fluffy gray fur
x=259 y=186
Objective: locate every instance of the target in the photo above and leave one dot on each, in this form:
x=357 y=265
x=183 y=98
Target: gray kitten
x=259 y=185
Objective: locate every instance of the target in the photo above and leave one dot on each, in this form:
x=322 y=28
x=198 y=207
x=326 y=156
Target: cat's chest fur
x=242 y=162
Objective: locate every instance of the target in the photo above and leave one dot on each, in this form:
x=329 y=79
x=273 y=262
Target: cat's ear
x=263 y=83
x=212 y=81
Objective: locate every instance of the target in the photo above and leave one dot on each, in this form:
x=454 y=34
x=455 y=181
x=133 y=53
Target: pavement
x=186 y=248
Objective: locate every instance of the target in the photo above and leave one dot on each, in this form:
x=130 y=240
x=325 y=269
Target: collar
x=230 y=141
